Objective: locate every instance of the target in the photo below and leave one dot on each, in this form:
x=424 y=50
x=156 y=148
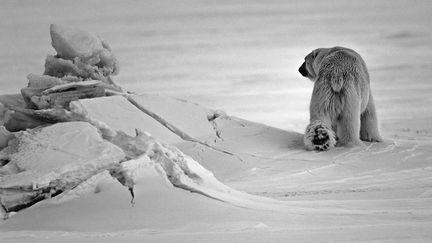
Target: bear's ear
x=310 y=57
x=316 y=52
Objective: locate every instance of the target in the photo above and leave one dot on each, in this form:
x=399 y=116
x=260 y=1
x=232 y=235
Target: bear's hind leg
x=348 y=124
x=369 y=123
x=319 y=134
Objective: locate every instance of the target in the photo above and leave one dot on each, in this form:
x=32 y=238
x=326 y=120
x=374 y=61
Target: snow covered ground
x=378 y=193
x=241 y=57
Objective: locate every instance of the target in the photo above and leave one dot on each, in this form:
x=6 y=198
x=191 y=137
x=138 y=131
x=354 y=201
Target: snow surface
x=241 y=58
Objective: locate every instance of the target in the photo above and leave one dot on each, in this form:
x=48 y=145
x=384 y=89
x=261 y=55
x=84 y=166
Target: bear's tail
x=337 y=84
x=338 y=80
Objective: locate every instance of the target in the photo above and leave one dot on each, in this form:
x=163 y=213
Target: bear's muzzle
x=302 y=70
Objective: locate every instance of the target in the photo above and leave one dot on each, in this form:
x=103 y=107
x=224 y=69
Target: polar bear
x=342 y=109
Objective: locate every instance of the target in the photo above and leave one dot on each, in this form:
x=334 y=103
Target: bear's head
x=311 y=64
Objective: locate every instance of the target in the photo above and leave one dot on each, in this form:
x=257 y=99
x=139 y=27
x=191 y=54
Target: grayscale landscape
x=217 y=87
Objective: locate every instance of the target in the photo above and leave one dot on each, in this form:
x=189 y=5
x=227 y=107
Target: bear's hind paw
x=319 y=137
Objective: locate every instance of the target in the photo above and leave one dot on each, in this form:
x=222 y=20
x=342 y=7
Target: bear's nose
x=302 y=70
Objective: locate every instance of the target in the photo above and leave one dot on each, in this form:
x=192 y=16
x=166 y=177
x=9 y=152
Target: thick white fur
x=342 y=101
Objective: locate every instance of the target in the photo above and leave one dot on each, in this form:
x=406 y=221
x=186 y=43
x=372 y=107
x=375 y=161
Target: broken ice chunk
x=59 y=67
x=67 y=70
x=114 y=109
x=42 y=81
x=47 y=161
x=5 y=136
x=70 y=86
x=15 y=120
x=81 y=56
x=189 y=119
x=61 y=95
x=3 y=114
x=71 y=43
